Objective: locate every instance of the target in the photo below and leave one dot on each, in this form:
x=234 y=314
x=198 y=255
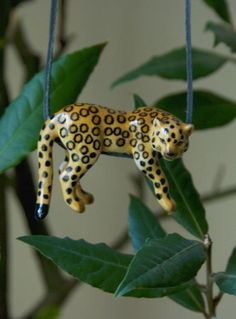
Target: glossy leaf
x=190 y=212
x=190 y=298
x=164 y=262
x=224 y=33
x=172 y=65
x=143 y=224
x=21 y=123
x=138 y=101
x=210 y=110
x=220 y=7
x=226 y=281
x=96 y=264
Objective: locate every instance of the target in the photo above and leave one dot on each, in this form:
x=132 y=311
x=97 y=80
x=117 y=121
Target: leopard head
x=170 y=137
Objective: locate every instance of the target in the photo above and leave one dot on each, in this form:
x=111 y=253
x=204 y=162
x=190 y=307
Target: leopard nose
x=170 y=154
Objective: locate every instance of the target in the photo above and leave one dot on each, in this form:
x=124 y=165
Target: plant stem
x=3 y=253
x=209 y=281
x=51 y=274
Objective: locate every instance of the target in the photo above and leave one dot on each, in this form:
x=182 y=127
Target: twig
x=63 y=39
x=28 y=57
x=3 y=252
x=23 y=174
x=4 y=101
x=209 y=281
x=218 y=298
x=55 y=298
x=219 y=194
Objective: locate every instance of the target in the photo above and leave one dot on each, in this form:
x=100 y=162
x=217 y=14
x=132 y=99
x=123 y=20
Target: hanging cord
x=189 y=112
x=53 y=15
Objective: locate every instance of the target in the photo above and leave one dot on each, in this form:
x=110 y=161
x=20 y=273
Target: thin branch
x=3 y=252
x=209 y=281
x=55 y=298
x=4 y=101
x=218 y=298
x=27 y=198
x=229 y=191
x=63 y=39
x=28 y=57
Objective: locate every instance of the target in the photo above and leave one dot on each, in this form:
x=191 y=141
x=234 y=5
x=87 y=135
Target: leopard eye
x=162 y=140
x=179 y=143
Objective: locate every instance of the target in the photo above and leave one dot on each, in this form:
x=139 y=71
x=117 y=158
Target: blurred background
x=135 y=31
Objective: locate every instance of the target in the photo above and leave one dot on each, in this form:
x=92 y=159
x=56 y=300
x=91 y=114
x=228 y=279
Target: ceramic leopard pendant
x=86 y=130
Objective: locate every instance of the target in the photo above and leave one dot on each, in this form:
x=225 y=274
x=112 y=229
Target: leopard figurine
x=87 y=130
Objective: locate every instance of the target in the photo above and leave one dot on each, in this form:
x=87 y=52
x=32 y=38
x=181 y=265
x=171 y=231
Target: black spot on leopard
x=78 y=138
x=96 y=131
x=74 y=116
x=84 y=112
x=120 y=142
x=109 y=119
x=84 y=128
x=73 y=128
x=108 y=131
x=63 y=132
x=68 y=108
x=96 y=119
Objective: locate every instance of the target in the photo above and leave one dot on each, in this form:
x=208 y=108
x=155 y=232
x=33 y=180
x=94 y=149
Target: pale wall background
x=136 y=30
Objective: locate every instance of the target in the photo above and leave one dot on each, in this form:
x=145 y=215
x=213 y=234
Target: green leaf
x=190 y=212
x=190 y=298
x=220 y=7
x=164 y=262
x=142 y=223
x=210 y=110
x=226 y=281
x=172 y=65
x=138 y=101
x=224 y=33
x=23 y=119
x=48 y=312
x=96 y=264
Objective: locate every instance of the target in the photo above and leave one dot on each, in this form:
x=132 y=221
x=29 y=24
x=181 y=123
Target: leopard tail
x=48 y=134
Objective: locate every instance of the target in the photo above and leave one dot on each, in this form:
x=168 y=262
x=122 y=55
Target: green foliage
x=224 y=33
x=190 y=212
x=96 y=264
x=142 y=223
x=210 y=110
x=221 y=8
x=48 y=312
x=190 y=298
x=172 y=65
x=226 y=281
x=21 y=123
x=164 y=262
x=163 y=265
x=138 y=101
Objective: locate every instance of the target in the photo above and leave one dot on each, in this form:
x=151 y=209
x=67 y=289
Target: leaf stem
x=209 y=281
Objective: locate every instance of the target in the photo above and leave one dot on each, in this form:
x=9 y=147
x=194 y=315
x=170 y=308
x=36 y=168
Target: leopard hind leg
x=86 y=197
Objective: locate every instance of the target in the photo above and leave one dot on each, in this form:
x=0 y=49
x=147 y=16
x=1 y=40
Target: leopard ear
x=188 y=129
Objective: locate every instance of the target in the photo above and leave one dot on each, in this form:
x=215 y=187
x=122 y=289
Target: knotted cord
x=46 y=101
x=189 y=108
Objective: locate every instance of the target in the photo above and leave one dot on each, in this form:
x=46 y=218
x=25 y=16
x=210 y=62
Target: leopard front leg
x=147 y=162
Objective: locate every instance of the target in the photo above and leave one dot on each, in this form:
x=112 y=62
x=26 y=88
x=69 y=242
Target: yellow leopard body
x=87 y=130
